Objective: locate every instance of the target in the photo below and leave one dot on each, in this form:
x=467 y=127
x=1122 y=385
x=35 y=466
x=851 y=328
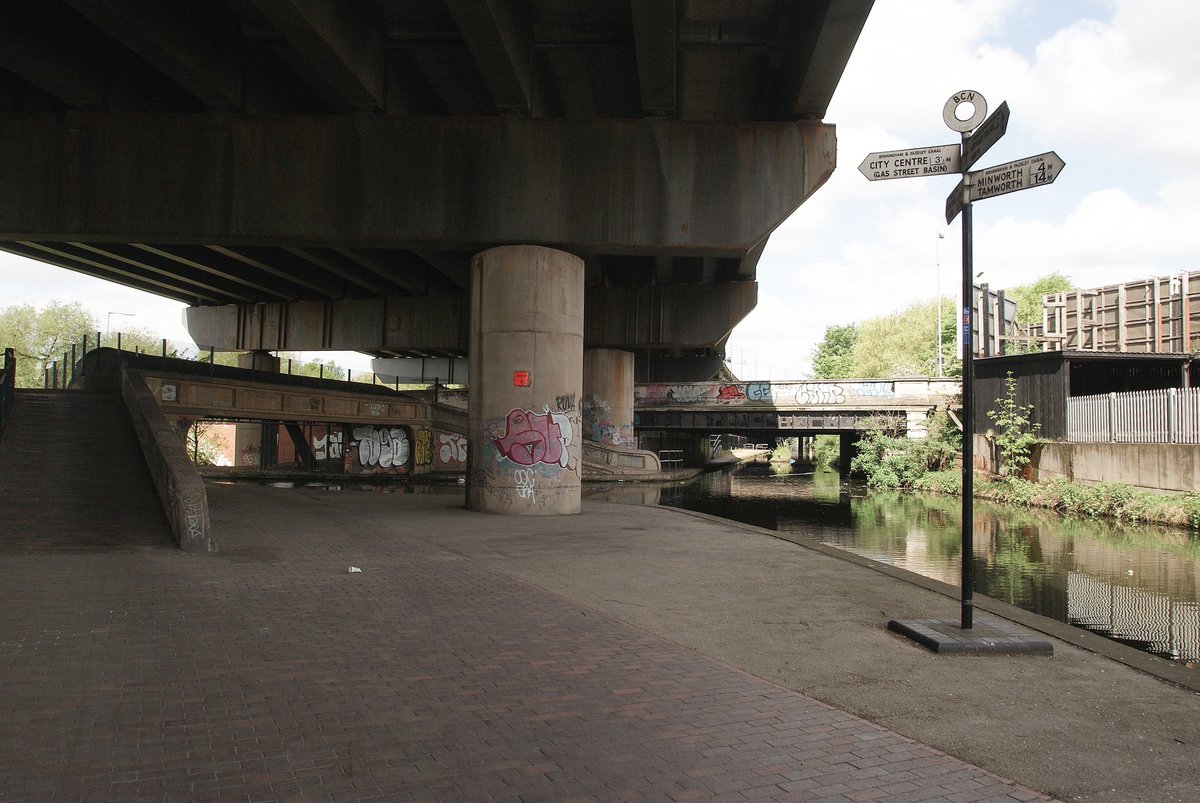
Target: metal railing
x=60 y=372
x=8 y=384
x=670 y=458
x=1143 y=416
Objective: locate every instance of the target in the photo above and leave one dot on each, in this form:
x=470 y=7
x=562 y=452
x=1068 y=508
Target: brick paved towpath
x=473 y=658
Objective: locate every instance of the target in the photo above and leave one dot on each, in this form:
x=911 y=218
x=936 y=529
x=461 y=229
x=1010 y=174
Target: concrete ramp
x=72 y=477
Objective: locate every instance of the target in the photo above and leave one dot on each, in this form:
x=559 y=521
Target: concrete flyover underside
x=312 y=174
x=250 y=152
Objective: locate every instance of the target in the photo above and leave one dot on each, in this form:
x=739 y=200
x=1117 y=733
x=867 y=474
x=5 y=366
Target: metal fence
x=1142 y=416
x=670 y=458
x=8 y=377
x=59 y=372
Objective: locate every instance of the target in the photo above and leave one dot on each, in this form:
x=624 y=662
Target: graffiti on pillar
x=613 y=434
x=336 y=445
x=593 y=406
x=565 y=403
x=537 y=438
x=379 y=450
x=320 y=447
x=714 y=446
x=524 y=479
x=452 y=450
x=249 y=455
x=423 y=448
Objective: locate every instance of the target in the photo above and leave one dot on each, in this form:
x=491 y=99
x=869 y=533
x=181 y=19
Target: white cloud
x=1113 y=87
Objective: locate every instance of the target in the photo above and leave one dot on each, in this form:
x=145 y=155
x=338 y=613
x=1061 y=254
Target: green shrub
x=1016 y=435
x=894 y=462
x=827 y=451
x=941 y=482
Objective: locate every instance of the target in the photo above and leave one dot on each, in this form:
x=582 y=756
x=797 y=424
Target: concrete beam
x=683 y=316
x=65 y=75
x=423 y=183
x=829 y=32
x=186 y=51
x=655 y=40
x=426 y=324
x=335 y=46
x=502 y=47
x=671 y=316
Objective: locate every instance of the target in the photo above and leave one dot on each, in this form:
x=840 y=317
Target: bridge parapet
x=181 y=394
x=847 y=394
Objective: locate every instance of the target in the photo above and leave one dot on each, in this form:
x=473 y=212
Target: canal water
x=1138 y=585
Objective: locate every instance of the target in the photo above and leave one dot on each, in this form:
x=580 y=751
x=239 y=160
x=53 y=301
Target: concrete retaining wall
x=1169 y=467
x=1153 y=466
x=175 y=477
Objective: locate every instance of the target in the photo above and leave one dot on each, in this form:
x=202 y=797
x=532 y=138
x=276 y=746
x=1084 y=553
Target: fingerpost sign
x=979 y=133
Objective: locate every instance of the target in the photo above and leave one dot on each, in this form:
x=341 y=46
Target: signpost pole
x=941 y=635
x=968 y=409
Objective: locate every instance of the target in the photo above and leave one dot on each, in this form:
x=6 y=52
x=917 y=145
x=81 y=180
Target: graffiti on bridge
x=822 y=393
x=423 y=448
x=452 y=449
x=327 y=446
x=884 y=389
x=777 y=393
x=380 y=449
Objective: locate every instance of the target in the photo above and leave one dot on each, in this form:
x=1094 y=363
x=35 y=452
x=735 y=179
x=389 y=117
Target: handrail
x=178 y=482
x=8 y=384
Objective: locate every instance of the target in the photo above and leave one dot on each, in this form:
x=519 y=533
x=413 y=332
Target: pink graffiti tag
x=532 y=438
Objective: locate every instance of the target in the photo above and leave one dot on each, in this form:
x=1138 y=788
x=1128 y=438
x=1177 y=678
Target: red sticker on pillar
x=520 y=379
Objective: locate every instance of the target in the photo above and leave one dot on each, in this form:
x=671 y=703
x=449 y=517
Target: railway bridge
x=762 y=411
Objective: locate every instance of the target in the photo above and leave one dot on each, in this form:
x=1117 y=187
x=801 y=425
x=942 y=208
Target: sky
x=1111 y=86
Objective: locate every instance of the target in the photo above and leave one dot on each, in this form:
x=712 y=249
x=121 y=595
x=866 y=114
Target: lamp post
x=108 y=327
x=937 y=263
x=108 y=324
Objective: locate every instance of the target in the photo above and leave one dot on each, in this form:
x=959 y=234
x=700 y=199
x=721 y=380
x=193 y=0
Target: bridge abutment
x=526 y=380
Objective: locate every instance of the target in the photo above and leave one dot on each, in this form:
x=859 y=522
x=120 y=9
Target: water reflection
x=1139 y=585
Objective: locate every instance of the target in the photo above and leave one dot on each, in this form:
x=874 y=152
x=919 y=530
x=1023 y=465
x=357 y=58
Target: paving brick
x=268 y=673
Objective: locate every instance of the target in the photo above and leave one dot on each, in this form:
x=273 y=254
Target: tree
x=1029 y=296
x=204 y=442
x=902 y=344
x=832 y=356
x=313 y=367
x=39 y=337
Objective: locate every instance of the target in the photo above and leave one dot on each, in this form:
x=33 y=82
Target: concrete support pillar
x=248 y=445
x=847 y=442
x=607 y=404
x=526 y=379
x=259 y=360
